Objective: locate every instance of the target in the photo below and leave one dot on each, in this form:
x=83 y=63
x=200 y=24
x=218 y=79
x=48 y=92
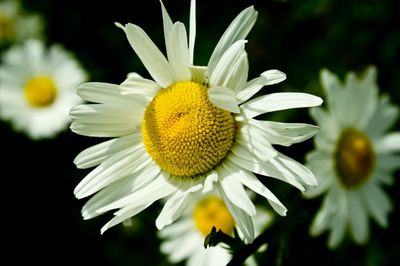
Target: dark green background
x=42 y=218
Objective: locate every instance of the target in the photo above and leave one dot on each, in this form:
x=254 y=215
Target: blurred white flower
x=184 y=239
x=38 y=88
x=354 y=156
x=190 y=128
x=17 y=25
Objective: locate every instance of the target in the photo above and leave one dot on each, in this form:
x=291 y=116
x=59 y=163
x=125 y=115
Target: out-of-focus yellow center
x=7 y=28
x=210 y=212
x=354 y=157
x=184 y=133
x=40 y=91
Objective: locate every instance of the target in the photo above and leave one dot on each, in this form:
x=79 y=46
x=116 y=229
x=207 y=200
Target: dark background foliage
x=299 y=37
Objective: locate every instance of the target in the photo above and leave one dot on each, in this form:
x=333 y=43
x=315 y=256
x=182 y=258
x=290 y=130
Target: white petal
x=98 y=92
x=192 y=29
x=199 y=74
x=176 y=233
x=325 y=181
x=119 y=189
x=150 y=55
x=358 y=219
x=211 y=178
x=167 y=24
x=232 y=69
x=98 y=153
x=229 y=182
x=361 y=99
x=103 y=130
x=110 y=114
x=176 y=229
x=341 y=101
x=385 y=116
x=273 y=76
x=223 y=98
x=278 y=101
x=112 y=192
x=389 y=143
x=387 y=163
x=329 y=81
x=322 y=219
x=337 y=233
x=237 y=76
x=178 y=52
x=119 y=165
x=284 y=133
x=184 y=247
x=127 y=213
x=119 y=25
x=300 y=171
x=242 y=219
x=340 y=220
x=329 y=127
x=162 y=186
x=175 y=205
x=271 y=168
x=135 y=84
x=268 y=77
x=250 y=181
x=377 y=203
x=237 y=30
x=385 y=178
x=256 y=142
x=262 y=220
x=214 y=256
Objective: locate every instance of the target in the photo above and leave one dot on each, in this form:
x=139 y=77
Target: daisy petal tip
x=119 y=25
x=86 y=216
x=103 y=229
x=252 y=10
x=314 y=101
x=76 y=192
x=79 y=194
x=160 y=225
x=325 y=73
x=273 y=76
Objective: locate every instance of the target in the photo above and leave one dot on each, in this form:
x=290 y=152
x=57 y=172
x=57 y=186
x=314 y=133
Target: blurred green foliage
x=298 y=37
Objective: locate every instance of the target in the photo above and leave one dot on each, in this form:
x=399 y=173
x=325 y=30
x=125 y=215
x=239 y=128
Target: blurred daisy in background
x=38 y=88
x=17 y=25
x=184 y=239
x=193 y=126
x=354 y=156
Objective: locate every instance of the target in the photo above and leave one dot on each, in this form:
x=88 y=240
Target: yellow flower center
x=40 y=91
x=184 y=133
x=7 y=29
x=210 y=212
x=354 y=158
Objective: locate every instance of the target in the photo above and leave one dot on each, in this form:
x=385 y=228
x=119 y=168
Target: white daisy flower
x=354 y=156
x=38 y=88
x=184 y=239
x=191 y=127
x=17 y=25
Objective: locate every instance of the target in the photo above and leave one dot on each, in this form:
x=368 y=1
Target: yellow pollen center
x=211 y=212
x=184 y=133
x=7 y=29
x=354 y=158
x=40 y=91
